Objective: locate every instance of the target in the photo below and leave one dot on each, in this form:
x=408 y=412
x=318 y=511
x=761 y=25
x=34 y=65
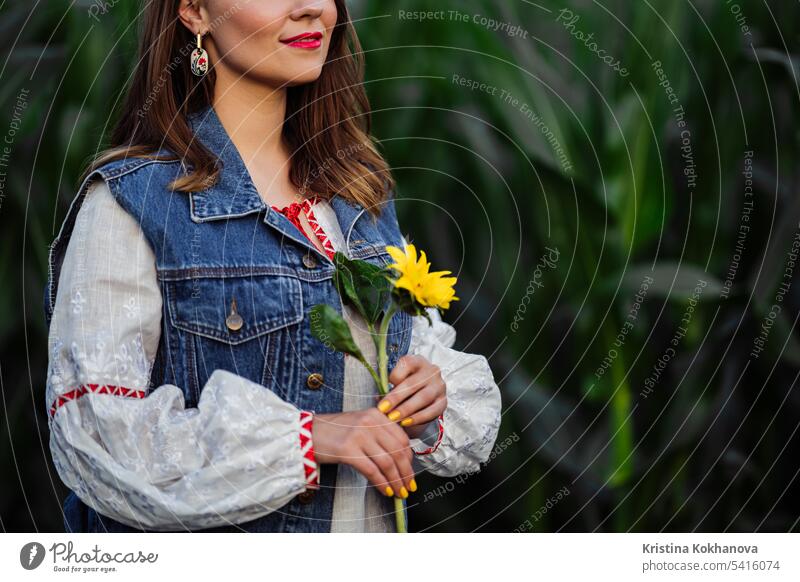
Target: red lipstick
x=306 y=40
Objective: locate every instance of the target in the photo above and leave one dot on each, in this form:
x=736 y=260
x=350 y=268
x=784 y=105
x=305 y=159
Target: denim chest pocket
x=246 y=324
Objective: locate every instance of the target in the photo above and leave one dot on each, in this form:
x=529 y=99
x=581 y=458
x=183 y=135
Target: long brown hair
x=327 y=123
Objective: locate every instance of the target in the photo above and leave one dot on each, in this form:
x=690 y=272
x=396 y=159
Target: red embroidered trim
x=307 y=448
x=435 y=446
x=323 y=238
x=291 y=212
x=98 y=389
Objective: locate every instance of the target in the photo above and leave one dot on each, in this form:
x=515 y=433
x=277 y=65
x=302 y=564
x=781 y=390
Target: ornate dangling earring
x=199 y=59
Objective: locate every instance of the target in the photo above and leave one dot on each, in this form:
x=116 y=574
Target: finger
x=396 y=432
x=407 y=388
x=425 y=415
x=400 y=450
x=367 y=467
x=425 y=374
x=405 y=366
x=387 y=465
x=422 y=376
x=420 y=400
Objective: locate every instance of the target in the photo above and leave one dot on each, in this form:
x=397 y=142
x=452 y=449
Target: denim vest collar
x=235 y=194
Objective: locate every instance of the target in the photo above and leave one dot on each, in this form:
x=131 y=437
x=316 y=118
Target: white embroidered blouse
x=138 y=456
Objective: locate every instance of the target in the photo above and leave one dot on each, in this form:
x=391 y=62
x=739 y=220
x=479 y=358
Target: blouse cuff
x=307 y=449
x=432 y=448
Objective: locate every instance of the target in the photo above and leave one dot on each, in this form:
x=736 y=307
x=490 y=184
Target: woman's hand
x=375 y=447
x=419 y=394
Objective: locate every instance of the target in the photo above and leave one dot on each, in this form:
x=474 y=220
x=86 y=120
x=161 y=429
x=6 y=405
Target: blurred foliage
x=558 y=151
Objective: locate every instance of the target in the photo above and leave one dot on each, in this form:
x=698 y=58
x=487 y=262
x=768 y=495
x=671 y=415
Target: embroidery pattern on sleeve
x=119 y=369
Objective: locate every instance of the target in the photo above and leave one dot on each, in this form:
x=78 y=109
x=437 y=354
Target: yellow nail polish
x=389 y=491
x=394 y=415
x=403 y=492
x=406 y=421
x=384 y=405
x=412 y=485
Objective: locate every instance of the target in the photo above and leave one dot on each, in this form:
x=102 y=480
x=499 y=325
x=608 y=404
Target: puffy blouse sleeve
x=134 y=453
x=464 y=435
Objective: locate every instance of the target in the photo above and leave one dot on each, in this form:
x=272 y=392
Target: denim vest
x=224 y=244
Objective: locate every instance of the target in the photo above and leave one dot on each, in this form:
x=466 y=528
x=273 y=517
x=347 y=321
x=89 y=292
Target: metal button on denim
x=234 y=321
x=314 y=381
x=309 y=261
x=306 y=497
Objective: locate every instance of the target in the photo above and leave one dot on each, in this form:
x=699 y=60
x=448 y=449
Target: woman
x=185 y=390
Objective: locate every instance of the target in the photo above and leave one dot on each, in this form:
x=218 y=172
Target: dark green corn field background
x=616 y=185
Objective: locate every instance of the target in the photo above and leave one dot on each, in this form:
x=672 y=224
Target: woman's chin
x=303 y=77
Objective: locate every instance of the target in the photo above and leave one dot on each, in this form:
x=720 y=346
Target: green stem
x=383 y=388
x=400 y=514
x=621 y=428
x=371 y=370
x=383 y=384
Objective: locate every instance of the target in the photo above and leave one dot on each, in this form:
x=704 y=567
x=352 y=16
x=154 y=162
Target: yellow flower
x=426 y=288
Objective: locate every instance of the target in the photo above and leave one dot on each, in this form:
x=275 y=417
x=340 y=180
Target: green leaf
x=343 y=280
x=329 y=327
x=363 y=284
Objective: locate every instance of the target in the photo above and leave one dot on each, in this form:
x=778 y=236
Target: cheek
x=328 y=16
x=261 y=20
x=247 y=33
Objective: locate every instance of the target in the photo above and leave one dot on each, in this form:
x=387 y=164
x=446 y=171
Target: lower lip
x=305 y=44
